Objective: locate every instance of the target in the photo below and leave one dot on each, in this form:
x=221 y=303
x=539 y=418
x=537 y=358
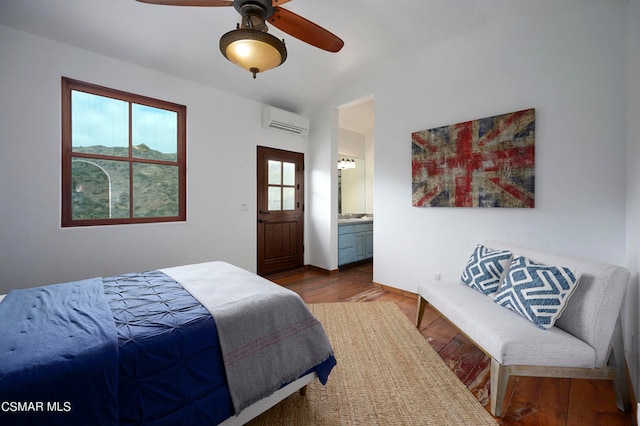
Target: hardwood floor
x=529 y=401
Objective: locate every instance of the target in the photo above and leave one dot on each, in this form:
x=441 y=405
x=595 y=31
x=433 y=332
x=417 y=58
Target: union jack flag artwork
x=488 y=162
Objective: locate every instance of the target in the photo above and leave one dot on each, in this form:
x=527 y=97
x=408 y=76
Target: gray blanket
x=267 y=334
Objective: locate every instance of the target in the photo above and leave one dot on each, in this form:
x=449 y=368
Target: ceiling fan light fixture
x=250 y=46
x=254 y=50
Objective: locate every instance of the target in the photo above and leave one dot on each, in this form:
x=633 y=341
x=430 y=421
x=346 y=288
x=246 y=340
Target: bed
x=208 y=343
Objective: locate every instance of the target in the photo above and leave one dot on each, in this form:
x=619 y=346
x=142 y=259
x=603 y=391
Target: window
x=123 y=157
x=282 y=190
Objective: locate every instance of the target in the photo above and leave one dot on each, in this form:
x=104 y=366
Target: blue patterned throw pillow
x=485 y=269
x=537 y=292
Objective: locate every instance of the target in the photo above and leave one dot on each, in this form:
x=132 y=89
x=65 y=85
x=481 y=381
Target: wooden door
x=280 y=210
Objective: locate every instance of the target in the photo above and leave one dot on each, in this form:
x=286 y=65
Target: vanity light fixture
x=346 y=164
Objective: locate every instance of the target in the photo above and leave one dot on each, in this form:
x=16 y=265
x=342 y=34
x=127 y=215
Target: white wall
x=221 y=162
x=350 y=143
x=370 y=171
x=573 y=70
x=632 y=315
x=322 y=201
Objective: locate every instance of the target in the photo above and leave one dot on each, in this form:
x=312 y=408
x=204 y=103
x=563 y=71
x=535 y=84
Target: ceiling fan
x=250 y=45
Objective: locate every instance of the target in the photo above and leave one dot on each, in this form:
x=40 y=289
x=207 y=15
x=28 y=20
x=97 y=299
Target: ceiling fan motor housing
x=262 y=8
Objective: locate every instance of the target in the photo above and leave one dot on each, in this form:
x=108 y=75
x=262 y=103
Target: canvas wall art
x=488 y=162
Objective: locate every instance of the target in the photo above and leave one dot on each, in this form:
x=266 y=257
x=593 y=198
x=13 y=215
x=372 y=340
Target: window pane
x=155 y=190
x=100 y=189
x=275 y=172
x=288 y=173
x=99 y=125
x=155 y=133
x=288 y=199
x=275 y=198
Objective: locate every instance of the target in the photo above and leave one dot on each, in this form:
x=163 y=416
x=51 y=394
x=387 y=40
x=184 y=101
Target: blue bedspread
x=171 y=370
x=58 y=356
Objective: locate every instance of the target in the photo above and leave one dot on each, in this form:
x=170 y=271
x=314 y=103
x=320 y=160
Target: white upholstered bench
x=585 y=341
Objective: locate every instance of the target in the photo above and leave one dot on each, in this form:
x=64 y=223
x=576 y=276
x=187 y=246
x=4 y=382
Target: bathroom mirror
x=352 y=188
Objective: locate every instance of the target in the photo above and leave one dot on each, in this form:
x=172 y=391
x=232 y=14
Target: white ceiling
x=183 y=41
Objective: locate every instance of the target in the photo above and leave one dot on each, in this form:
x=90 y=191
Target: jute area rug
x=387 y=374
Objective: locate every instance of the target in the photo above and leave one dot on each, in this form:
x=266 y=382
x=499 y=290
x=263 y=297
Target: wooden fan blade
x=276 y=3
x=209 y=3
x=305 y=30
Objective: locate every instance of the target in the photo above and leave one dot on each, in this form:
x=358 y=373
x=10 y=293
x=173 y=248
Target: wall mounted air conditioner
x=285 y=121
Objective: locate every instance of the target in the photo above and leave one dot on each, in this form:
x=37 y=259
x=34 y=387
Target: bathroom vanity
x=355 y=240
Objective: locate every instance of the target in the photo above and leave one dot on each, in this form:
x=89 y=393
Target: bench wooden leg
x=499 y=380
x=422 y=304
x=303 y=391
x=617 y=359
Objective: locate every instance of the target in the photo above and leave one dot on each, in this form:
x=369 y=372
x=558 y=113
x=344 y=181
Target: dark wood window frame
x=69 y=85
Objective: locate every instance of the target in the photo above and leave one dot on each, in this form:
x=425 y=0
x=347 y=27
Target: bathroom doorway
x=355 y=181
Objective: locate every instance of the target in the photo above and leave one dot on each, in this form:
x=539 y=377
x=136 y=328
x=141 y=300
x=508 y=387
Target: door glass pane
x=155 y=190
x=275 y=198
x=275 y=172
x=288 y=173
x=288 y=199
x=155 y=133
x=100 y=189
x=99 y=125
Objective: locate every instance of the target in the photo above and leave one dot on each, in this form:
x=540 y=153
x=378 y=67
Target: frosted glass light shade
x=254 y=50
